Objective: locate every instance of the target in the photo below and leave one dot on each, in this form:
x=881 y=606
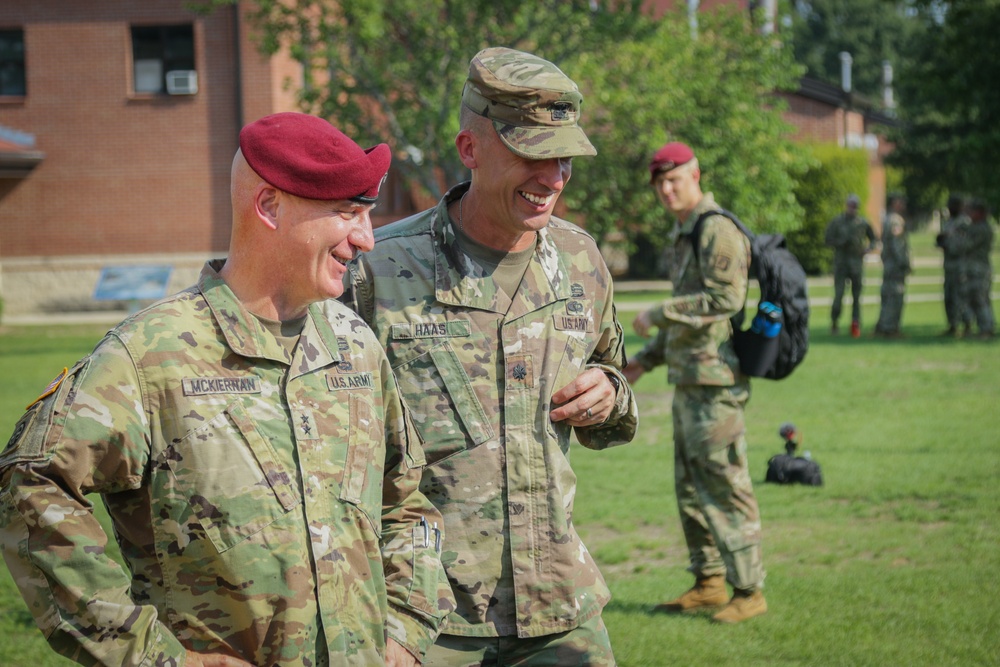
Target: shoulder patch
x=51 y=389
x=19 y=429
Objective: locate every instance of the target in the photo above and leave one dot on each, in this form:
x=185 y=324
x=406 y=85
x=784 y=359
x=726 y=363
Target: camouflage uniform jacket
x=695 y=334
x=245 y=487
x=850 y=236
x=974 y=243
x=895 y=248
x=952 y=241
x=477 y=371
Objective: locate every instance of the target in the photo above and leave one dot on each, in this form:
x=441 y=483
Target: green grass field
x=894 y=561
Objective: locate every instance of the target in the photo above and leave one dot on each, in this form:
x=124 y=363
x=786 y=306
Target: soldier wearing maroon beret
x=251 y=449
x=716 y=502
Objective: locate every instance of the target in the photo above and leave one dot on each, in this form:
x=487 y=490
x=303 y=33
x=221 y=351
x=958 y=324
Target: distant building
x=824 y=113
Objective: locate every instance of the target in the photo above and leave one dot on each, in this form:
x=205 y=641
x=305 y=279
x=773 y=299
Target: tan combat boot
x=744 y=605
x=707 y=593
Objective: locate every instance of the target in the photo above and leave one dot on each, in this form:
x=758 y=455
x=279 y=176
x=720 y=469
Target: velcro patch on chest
x=349 y=381
x=433 y=329
x=519 y=371
x=567 y=322
x=243 y=384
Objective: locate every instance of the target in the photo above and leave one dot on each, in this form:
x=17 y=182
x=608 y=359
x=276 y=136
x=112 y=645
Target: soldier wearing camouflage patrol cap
x=251 y=450
x=851 y=237
x=895 y=267
x=719 y=512
x=498 y=319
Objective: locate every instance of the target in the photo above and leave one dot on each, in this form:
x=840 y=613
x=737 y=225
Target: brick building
x=120 y=119
x=825 y=113
x=118 y=124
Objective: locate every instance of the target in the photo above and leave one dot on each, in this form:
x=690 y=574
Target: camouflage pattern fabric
x=719 y=512
x=851 y=237
x=895 y=268
x=534 y=106
x=254 y=495
x=714 y=496
x=477 y=370
x=695 y=335
x=956 y=309
x=975 y=244
x=587 y=645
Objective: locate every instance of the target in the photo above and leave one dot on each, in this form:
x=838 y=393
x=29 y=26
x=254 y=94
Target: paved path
x=111 y=317
x=814 y=301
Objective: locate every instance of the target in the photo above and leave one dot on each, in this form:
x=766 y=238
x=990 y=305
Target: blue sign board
x=132 y=283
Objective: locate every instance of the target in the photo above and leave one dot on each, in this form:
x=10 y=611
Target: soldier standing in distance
x=851 y=237
x=498 y=319
x=718 y=509
x=976 y=243
x=251 y=450
x=895 y=268
x=956 y=309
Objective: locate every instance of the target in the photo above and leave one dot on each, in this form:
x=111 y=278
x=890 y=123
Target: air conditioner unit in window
x=182 y=82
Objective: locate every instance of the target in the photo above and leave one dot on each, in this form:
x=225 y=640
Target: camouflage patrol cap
x=534 y=107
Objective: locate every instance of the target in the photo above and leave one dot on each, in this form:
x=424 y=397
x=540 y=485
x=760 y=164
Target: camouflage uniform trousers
x=586 y=645
x=893 y=296
x=976 y=287
x=956 y=309
x=719 y=512
x=846 y=269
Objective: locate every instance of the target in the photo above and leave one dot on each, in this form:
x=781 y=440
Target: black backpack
x=789 y=469
x=782 y=282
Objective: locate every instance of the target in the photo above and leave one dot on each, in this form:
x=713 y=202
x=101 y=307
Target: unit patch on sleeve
x=51 y=389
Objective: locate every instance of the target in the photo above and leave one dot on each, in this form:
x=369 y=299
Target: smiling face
x=317 y=239
x=511 y=196
x=679 y=190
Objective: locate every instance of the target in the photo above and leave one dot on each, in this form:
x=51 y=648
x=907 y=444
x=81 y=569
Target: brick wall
x=123 y=173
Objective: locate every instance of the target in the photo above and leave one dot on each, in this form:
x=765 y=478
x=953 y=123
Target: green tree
x=872 y=31
x=715 y=93
x=833 y=173
x=394 y=71
x=950 y=103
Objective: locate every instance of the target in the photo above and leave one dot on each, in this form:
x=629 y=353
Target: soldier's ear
x=265 y=203
x=465 y=142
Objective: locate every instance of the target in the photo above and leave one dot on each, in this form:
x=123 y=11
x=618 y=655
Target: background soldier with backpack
x=718 y=509
x=851 y=237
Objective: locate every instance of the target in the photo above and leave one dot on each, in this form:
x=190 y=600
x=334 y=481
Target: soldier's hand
x=642 y=324
x=586 y=401
x=633 y=372
x=397 y=656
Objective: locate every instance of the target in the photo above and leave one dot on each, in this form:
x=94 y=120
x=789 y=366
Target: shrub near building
x=833 y=173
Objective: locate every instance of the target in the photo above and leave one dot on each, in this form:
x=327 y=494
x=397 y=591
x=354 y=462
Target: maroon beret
x=670 y=156
x=307 y=157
